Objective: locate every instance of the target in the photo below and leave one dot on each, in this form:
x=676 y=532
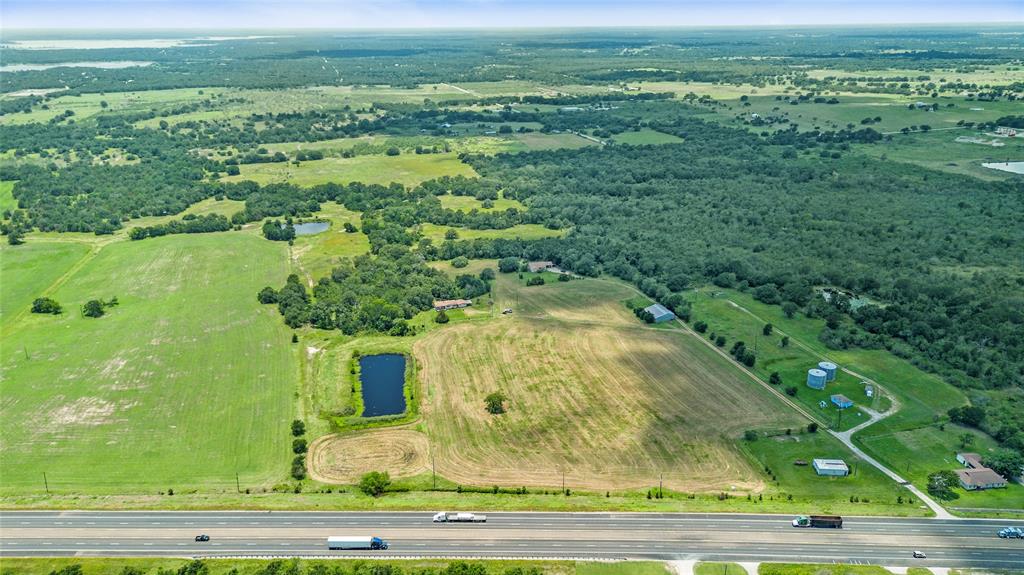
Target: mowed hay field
x=186 y=382
x=604 y=399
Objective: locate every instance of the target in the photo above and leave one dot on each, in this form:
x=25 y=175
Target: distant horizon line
x=999 y=24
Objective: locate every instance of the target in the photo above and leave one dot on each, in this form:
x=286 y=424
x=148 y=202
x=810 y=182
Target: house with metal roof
x=660 y=313
x=835 y=467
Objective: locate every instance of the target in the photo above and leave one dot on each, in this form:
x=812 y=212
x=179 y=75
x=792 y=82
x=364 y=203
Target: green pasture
x=7 y=201
x=316 y=255
x=406 y=169
x=88 y=105
x=468 y=203
x=186 y=382
x=436 y=233
x=875 y=492
x=645 y=137
x=29 y=271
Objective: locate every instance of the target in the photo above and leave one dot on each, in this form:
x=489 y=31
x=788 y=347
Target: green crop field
x=88 y=105
x=183 y=384
x=406 y=169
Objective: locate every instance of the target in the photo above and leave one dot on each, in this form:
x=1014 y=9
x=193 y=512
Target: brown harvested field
x=610 y=405
x=402 y=452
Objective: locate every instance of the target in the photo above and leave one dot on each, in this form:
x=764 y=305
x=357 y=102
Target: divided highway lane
x=948 y=543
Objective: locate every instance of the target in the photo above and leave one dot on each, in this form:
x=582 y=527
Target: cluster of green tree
x=722 y=206
x=565 y=99
x=1011 y=122
x=190 y=224
x=19 y=105
x=377 y=293
x=98 y=307
x=46 y=305
x=278 y=231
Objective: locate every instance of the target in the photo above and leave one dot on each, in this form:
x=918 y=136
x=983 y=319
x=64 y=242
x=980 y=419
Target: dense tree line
x=190 y=224
x=722 y=205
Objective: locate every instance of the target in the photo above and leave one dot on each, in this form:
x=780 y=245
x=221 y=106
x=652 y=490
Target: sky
x=265 y=14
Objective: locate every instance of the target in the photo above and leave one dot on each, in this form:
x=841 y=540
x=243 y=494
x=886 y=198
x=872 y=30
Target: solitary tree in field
x=374 y=483
x=785 y=341
x=441 y=317
x=495 y=403
x=93 y=308
x=767 y=329
x=966 y=440
x=298 y=428
x=789 y=308
x=775 y=378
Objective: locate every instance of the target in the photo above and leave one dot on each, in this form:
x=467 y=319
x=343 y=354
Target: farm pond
x=383 y=384
x=310 y=228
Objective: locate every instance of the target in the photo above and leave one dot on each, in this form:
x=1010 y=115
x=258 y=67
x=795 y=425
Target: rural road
x=883 y=541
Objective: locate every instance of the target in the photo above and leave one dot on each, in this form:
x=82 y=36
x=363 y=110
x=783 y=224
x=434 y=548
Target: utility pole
x=661 y=481
x=433 y=469
x=238 y=486
x=46 y=483
x=25 y=349
x=563 y=481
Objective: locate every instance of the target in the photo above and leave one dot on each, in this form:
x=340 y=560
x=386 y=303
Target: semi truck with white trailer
x=444 y=517
x=356 y=542
x=830 y=521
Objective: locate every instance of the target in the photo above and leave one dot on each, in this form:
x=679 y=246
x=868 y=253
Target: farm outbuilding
x=446 y=304
x=816 y=378
x=836 y=467
x=535 y=267
x=972 y=460
x=660 y=313
x=841 y=401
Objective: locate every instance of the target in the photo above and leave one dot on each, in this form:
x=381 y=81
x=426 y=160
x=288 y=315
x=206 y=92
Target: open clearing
x=609 y=404
x=345 y=458
x=182 y=385
x=406 y=169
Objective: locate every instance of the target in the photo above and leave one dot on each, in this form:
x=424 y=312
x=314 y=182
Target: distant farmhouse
x=446 y=304
x=660 y=313
x=976 y=476
x=834 y=467
x=534 y=267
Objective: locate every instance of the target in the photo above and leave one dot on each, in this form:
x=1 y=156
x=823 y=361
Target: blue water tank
x=816 y=378
x=829 y=368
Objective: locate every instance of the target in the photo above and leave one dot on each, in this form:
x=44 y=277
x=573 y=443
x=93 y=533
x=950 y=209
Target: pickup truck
x=444 y=517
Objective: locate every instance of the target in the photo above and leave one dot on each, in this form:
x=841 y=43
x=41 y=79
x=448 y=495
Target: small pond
x=310 y=228
x=383 y=382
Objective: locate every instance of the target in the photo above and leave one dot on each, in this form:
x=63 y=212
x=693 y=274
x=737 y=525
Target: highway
x=713 y=537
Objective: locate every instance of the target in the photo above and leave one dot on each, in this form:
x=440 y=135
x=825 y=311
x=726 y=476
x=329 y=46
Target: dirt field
x=345 y=458
x=593 y=393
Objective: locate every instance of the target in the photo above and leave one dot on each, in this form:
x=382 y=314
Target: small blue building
x=841 y=401
x=660 y=313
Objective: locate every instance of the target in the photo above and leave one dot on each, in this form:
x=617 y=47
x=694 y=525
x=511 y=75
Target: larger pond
x=383 y=382
x=310 y=228
x=108 y=65
x=1012 y=167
